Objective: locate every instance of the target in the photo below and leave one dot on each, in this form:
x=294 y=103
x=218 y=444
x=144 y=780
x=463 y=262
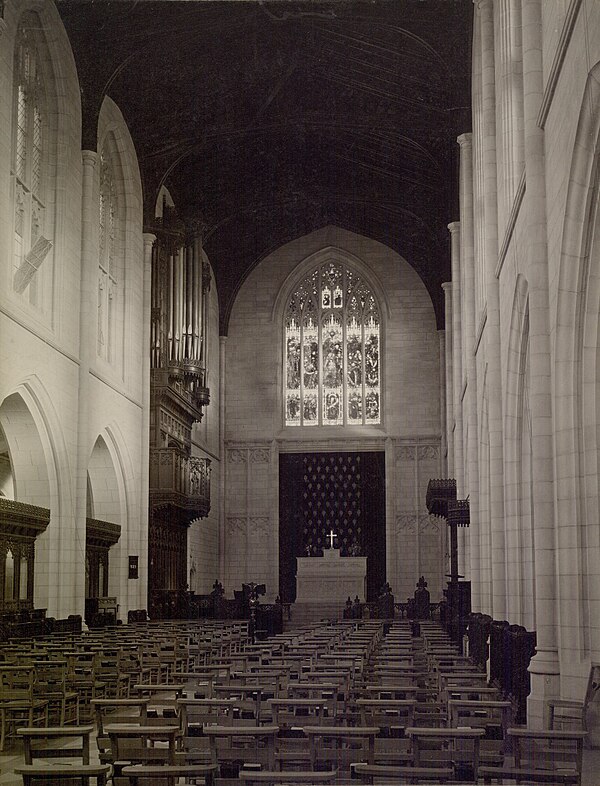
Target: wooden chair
x=494 y=717
x=127 y=711
x=243 y=744
x=82 y=678
x=136 y=744
x=339 y=746
x=47 y=734
x=18 y=704
x=62 y=774
x=548 y=756
x=565 y=713
x=162 y=707
x=51 y=685
x=108 y=670
x=442 y=747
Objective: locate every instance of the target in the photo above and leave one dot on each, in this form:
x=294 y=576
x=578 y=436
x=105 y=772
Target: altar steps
x=310 y=613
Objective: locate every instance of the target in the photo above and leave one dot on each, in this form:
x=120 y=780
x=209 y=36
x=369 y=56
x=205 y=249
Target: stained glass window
x=27 y=162
x=332 y=351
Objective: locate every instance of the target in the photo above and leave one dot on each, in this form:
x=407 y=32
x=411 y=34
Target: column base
x=544 y=670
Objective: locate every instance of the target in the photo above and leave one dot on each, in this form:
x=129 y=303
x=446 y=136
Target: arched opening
x=24 y=505
x=103 y=530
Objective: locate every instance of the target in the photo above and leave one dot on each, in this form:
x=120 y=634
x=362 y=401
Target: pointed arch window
x=332 y=351
x=30 y=247
x=107 y=257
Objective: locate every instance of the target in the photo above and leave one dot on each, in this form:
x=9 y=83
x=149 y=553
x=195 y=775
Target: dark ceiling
x=270 y=120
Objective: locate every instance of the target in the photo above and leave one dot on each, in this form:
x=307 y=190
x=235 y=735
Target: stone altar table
x=330 y=578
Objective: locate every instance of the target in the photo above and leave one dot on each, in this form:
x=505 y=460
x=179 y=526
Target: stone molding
x=259 y=525
x=260 y=455
x=235 y=524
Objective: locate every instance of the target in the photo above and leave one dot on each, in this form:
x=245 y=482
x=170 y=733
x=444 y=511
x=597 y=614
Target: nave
x=363 y=701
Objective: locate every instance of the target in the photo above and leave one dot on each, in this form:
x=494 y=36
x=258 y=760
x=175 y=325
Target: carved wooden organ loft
x=179 y=481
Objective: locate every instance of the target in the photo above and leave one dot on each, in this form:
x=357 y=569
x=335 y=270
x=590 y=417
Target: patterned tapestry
x=331 y=503
x=321 y=492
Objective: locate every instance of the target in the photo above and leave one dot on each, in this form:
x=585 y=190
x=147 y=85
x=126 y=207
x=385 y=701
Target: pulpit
x=330 y=578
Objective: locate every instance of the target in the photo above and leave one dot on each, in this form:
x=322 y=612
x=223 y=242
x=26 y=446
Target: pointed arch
x=520 y=576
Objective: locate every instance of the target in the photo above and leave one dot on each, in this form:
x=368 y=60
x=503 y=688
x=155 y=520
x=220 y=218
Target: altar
x=330 y=578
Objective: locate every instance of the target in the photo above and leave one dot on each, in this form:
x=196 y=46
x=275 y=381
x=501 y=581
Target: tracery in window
x=30 y=247
x=107 y=258
x=332 y=351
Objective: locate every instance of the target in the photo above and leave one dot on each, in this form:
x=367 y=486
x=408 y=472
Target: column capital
x=466 y=139
x=149 y=238
x=447 y=286
x=482 y=4
x=89 y=157
x=454 y=226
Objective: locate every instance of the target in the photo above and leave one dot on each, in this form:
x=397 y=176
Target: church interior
x=298 y=422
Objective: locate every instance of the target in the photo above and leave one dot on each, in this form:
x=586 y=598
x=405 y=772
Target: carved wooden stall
x=20 y=524
x=99 y=537
x=441 y=501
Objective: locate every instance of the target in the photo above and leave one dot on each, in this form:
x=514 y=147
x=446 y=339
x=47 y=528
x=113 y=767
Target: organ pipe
x=180 y=291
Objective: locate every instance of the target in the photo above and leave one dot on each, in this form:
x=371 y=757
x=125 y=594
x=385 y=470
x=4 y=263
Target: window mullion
x=363 y=339
x=344 y=369
x=301 y=372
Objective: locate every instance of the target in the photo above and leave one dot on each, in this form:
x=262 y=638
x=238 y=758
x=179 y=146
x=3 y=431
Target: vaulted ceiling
x=268 y=120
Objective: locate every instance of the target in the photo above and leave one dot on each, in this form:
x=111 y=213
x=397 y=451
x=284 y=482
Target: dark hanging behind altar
x=324 y=492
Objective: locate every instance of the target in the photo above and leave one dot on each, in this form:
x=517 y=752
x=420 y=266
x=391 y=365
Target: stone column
x=443 y=428
x=457 y=377
x=223 y=464
x=87 y=344
x=544 y=667
x=467 y=247
x=496 y=605
x=138 y=588
x=447 y=287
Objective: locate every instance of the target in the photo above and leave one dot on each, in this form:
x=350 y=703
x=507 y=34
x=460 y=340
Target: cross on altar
x=330 y=537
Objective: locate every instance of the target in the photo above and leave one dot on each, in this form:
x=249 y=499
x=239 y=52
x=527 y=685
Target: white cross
x=330 y=537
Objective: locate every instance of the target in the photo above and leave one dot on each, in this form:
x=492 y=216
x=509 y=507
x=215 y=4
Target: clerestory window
x=332 y=351
x=107 y=258
x=30 y=247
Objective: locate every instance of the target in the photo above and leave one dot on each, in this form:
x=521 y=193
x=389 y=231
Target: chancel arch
x=406 y=440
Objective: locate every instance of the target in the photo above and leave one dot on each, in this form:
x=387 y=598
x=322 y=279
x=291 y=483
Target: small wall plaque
x=133 y=566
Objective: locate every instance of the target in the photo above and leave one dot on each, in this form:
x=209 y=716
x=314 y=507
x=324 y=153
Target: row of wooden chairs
x=328 y=704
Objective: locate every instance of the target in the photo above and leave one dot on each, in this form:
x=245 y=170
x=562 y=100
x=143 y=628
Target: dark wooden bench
x=59 y=773
x=168 y=774
x=368 y=772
